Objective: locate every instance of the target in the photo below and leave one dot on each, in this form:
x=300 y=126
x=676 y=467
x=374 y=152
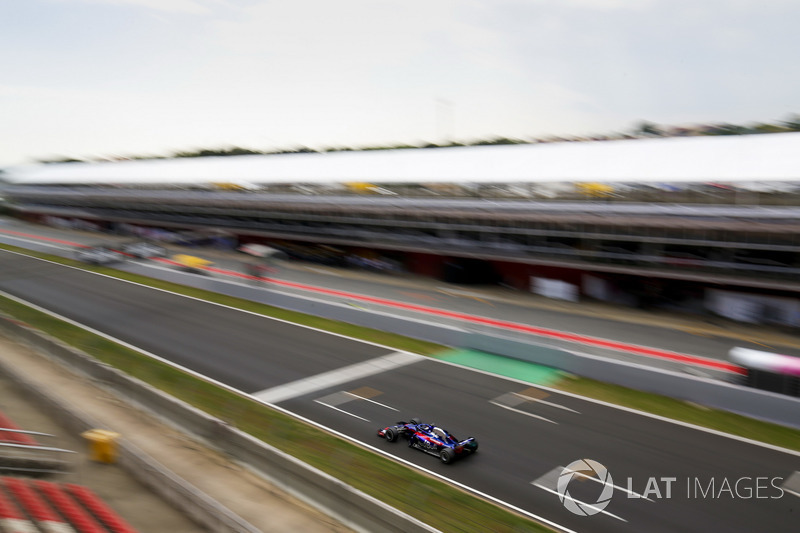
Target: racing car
x=144 y=250
x=99 y=255
x=431 y=439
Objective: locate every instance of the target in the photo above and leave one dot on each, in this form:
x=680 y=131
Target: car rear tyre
x=447 y=456
x=390 y=434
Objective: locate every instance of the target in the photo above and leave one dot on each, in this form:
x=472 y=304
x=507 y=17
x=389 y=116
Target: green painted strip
x=504 y=366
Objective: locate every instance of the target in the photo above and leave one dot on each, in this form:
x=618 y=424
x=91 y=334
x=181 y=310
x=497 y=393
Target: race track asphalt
x=527 y=434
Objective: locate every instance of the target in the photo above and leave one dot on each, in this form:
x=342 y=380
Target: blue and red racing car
x=431 y=439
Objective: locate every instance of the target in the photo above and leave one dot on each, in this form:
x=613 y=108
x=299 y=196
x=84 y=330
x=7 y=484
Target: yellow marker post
x=102 y=445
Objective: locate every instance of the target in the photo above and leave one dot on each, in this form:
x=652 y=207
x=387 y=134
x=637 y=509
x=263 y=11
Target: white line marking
x=459 y=292
x=792 y=492
x=337 y=377
x=523 y=412
x=792 y=484
x=371 y=401
x=580 y=502
x=341 y=410
x=321 y=271
x=615 y=487
x=38 y=243
x=337 y=398
x=551 y=404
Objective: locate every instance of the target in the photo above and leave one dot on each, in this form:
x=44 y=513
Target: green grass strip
x=503 y=366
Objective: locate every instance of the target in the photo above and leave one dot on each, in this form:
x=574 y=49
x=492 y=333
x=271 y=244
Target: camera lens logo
x=585 y=469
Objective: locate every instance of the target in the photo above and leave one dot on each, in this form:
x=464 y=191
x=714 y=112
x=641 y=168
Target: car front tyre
x=390 y=434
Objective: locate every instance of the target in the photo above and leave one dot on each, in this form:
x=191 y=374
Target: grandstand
x=26 y=504
x=696 y=223
x=30 y=503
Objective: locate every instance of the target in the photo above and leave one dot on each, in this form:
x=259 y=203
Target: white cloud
x=268 y=73
x=595 y=5
x=197 y=7
x=319 y=32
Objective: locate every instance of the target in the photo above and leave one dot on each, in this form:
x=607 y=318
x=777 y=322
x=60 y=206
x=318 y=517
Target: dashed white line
x=371 y=401
x=792 y=484
x=615 y=487
x=545 y=402
x=523 y=412
x=590 y=506
x=341 y=410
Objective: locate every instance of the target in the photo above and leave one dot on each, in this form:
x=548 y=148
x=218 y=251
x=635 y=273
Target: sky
x=115 y=78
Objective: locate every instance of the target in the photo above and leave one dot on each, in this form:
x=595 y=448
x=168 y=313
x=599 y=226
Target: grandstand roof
x=721 y=158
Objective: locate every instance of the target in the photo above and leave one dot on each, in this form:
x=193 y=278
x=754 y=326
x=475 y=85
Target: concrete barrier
x=755 y=403
x=351 y=312
x=764 y=405
x=195 y=504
